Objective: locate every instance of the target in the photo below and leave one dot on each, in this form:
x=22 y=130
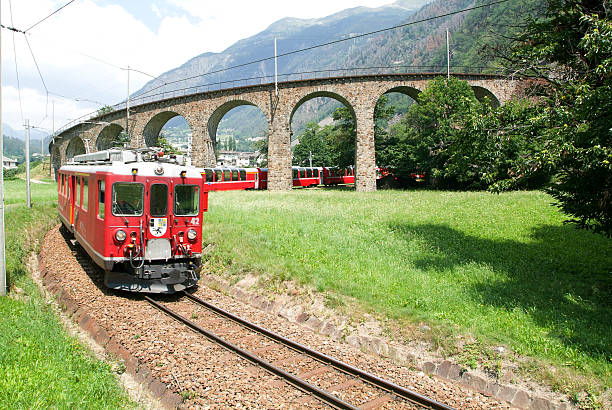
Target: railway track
x=347 y=387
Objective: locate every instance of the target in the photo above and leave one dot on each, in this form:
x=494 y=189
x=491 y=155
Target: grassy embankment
x=42 y=367
x=502 y=268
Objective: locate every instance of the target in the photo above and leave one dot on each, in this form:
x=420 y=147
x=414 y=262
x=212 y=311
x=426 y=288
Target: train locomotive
x=138 y=214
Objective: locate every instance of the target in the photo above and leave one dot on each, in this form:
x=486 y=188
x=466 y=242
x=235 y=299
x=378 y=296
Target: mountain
x=9 y=131
x=419 y=44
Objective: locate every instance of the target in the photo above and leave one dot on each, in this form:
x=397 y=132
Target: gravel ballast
x=206 y=375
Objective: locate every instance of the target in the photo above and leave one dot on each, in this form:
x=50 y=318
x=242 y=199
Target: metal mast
x=2 y=244
x=275 y=69
x=27 y=155
x=447 y=55
x=127 y=105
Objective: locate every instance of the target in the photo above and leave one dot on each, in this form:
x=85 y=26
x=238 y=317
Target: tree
x=261 y=147
x=422 y=139
x=105 y=110
x=569 y=54
x=166 y=146
x=311 y=141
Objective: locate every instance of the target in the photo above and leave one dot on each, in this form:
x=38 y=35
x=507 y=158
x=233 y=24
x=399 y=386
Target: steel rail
x=375 y=380
x=297 y=382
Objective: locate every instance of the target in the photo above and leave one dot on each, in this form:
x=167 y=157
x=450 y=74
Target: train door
x=187 y=213
x=159 y=220
x=72 y=197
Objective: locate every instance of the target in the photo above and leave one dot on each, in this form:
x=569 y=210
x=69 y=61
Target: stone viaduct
x=204 y=111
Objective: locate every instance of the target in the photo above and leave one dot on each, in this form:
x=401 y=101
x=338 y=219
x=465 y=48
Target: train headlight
x=120 y=235
x=192 y=234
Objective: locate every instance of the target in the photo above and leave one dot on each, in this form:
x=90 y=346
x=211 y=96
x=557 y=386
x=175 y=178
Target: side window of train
x=78 y=191
x=309 y=173
x=186 y=200
x=101 y=192
x=243 y=175
x=209 y=175
x=218 y=175
x=295 y=174
x=227 y=175
x=302 y=173
x=127 y=199
x=158 y=205
x=315 y=173
x=85 y=183
x=234 y=175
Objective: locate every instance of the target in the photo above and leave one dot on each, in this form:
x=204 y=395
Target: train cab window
x=101 y=192
x=127 y=198
x=85 y=183
x=302 y=173
x=243 y=175
x=234 y=175
x=218 y=175
x=158 y=205
x=209 y=175
x=227 y=175
x=186 y=200
x=295 y=174
x=309 y=172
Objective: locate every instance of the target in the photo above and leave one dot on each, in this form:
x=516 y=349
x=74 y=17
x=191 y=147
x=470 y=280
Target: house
x=9 y=163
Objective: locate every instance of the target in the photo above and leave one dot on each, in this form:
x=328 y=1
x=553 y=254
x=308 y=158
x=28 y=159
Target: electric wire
x=41 y=79
x=326 y=44
x=16 y=68
x=40 y=21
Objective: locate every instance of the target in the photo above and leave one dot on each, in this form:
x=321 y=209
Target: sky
x=82 y=50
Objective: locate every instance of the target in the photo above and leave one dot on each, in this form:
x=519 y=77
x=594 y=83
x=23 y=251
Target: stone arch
x=156 y=123
x=221 y=111
x=76 y=146
x=481 y=93
x=406 y=90
x=316 y=94
x=107 y=136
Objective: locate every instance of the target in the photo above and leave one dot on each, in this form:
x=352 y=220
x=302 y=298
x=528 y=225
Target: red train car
x=336 y=176
x=306 y=177
x=227 y=179
x=137 y=215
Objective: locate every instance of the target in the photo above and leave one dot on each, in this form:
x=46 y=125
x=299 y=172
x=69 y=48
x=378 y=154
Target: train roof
x=123 y=162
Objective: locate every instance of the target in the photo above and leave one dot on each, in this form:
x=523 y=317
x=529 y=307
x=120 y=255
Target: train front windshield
x=186 y=200
x=127 y=198
x=159 y=200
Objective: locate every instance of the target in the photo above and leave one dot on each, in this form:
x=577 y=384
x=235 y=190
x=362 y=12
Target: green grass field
x=41 y=366
x=501 y=267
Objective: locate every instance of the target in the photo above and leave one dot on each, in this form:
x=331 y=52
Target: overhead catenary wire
x=41 y=78
x=326 y=44
x=16 y=67
x=40 y=21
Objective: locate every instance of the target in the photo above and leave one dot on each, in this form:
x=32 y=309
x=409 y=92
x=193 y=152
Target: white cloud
x=64 y=43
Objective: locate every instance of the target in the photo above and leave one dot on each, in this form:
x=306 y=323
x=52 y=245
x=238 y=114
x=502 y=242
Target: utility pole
x=27 y=155
x=275 y=69
x=447 y=55
x=2 y=244
x=52 y=135
x=310 y=158
x=127 y=105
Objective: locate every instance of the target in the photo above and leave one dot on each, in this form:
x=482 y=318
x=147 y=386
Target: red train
x=226 y=179
x=138 y=215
